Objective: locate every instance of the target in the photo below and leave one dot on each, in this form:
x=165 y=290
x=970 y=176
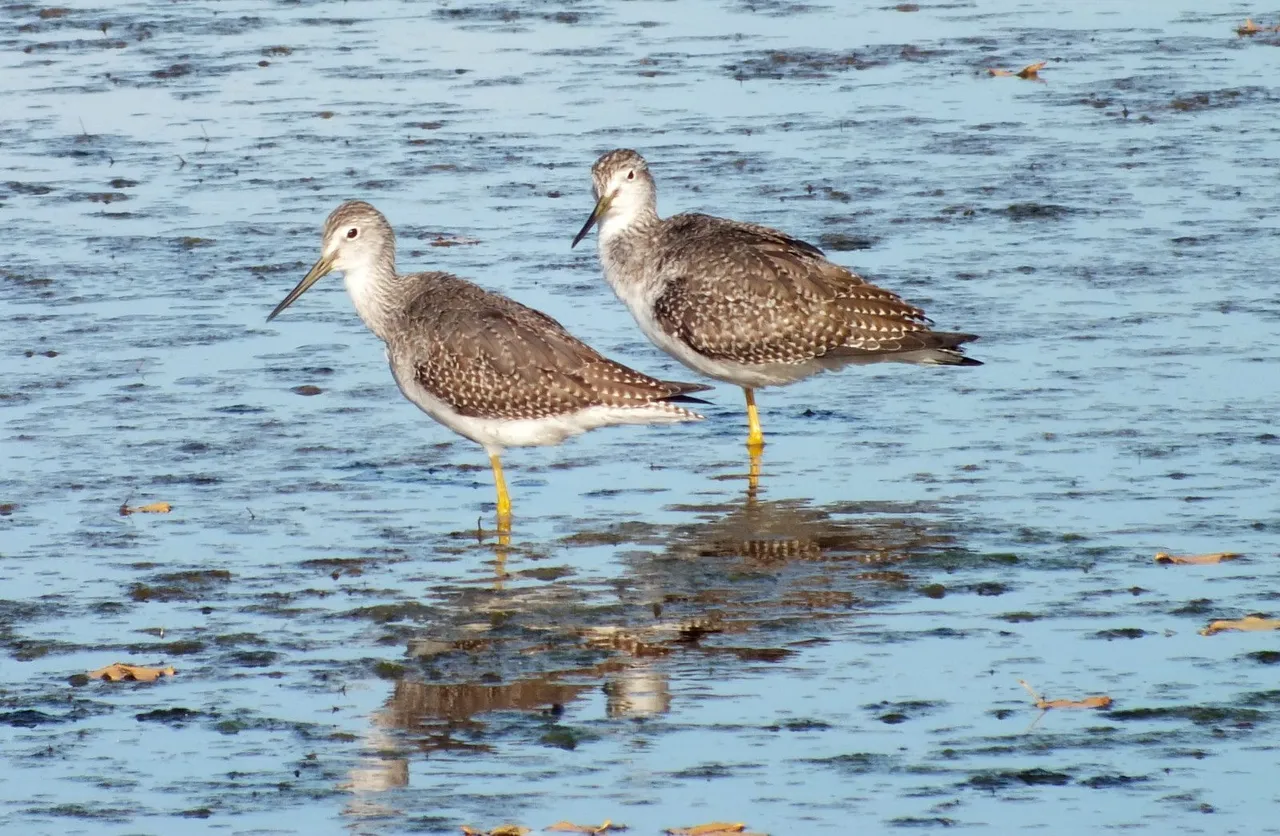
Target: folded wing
x=752 y=294
x=489 y=356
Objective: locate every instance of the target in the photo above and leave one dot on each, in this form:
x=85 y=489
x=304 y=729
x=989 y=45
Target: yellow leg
x=755 y=435
x=504 y=498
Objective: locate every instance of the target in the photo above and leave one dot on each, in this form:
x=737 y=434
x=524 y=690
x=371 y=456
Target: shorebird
x=744 y=303
x=485 y=366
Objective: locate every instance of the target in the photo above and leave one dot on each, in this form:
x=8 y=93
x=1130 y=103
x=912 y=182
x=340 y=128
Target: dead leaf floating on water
x=1251 y=28
x=120 y=672
x=153 y=508
x=1195 y=559
x=1031 y=71
x=500 y=830
x=570 y=827
x=1101 y=701
x=1248 y=624
x=715 y=828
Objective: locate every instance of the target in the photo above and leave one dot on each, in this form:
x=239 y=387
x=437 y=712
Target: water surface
x=657 y=645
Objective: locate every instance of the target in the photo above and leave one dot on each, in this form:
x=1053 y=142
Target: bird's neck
x=626 y=234
x=627 y=254
x=627 y=221
x=374 y=288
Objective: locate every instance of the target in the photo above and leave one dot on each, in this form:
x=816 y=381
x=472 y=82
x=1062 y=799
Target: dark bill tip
x=601 y=205
x=318 y=271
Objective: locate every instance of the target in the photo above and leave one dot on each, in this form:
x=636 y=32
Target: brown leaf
x=1250 y=623
x=153 y=508
x=509 y=830
x=120 y=672
x=570 y=827
x=1087 y=702
x=715 y=828
x=1195 y=559
x=1031 y=71
x=1249 y=28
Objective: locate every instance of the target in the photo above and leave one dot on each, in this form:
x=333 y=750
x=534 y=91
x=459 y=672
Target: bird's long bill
x=317 y=272
x=601 y=205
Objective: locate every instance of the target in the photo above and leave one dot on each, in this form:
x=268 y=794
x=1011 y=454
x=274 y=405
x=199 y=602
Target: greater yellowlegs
x=743 y=303
x=485 y=366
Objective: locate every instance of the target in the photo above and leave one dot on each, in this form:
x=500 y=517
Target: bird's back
x=488 y=356
x=754 y=295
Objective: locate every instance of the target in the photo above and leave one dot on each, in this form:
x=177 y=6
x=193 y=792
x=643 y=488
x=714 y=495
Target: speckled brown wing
x=488 y=356
x=752 y=294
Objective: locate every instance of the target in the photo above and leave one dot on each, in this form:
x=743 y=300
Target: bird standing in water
x=485 y=366
x=743 y=303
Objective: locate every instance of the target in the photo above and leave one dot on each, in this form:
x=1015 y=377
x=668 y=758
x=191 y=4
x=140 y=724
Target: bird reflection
x=774 y=532
x=753 y=472
x=733 y=579
x=447 y=717
x=637 y=691
x=501 y=551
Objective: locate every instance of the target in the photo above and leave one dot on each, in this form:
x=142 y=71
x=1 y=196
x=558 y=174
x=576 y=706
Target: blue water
x=775 y=660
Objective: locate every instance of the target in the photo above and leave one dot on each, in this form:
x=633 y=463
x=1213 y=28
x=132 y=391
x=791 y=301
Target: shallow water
x=656 y=645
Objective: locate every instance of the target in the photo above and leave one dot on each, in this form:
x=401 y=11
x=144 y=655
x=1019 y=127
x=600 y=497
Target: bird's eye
x=631 y=175
x=352 y=232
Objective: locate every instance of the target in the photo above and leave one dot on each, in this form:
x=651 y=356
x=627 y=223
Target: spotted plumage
x=485 y=366
x=752 y=295
x=488 y=356
x=745 y=303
